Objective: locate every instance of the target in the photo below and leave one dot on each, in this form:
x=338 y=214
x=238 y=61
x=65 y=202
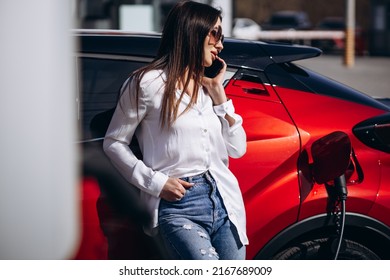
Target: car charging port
x=331 y=158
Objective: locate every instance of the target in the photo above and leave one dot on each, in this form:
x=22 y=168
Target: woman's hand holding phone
x=214 y=84
x=214 y=69
x=213 y=79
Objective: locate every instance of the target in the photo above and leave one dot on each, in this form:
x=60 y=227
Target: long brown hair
x=181 y=50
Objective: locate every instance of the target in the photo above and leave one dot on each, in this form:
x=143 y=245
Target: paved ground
x=370 y=75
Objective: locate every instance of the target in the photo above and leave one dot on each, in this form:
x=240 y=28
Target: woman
x=187 y=129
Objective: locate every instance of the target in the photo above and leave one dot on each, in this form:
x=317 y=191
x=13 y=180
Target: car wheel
x=320 y=249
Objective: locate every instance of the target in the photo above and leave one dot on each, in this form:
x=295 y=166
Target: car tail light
x=375 y=132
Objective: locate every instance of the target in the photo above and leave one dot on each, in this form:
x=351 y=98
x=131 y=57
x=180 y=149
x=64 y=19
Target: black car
x=337 y=45
x=286 y=20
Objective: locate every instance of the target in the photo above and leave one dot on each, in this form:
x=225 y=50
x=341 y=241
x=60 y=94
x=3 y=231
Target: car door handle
x=258 y=91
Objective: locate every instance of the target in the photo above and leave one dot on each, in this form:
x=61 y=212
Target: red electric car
x=316 y=175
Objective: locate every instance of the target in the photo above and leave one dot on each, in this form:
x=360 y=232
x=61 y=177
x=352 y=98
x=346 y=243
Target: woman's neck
x=181 y=83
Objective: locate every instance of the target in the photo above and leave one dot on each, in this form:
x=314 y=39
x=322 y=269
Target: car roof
x=237 y=52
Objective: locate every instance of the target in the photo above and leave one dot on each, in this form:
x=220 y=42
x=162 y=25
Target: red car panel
x=272 y=151
x=325 y=111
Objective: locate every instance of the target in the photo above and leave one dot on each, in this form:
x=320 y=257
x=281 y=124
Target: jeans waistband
x=205 y=174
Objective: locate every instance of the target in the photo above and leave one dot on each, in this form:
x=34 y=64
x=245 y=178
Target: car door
x=267 y=173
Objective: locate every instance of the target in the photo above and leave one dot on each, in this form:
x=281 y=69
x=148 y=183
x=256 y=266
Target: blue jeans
x=197 y=227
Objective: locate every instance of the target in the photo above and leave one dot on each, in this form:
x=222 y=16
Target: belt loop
x=208 y=176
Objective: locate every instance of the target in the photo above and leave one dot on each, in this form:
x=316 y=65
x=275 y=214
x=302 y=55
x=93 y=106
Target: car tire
x=321 y=249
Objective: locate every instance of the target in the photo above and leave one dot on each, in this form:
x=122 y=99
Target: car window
x=322 y=85
x=277 y=75
x=284 y=20
x=101 y=80
x=303 y=79
x=99 y=85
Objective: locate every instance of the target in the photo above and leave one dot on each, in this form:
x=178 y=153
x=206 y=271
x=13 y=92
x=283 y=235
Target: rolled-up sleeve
x=235 y=136
x=119 y=134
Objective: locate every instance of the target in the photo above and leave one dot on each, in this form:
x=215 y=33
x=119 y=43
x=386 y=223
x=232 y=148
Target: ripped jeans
x=197 y=227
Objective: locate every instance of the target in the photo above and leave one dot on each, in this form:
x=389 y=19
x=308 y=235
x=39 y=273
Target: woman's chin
x=208 y=63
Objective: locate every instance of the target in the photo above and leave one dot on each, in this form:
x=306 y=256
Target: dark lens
x=217 y=34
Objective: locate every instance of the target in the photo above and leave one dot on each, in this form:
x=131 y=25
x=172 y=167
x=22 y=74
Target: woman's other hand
x=174 y=189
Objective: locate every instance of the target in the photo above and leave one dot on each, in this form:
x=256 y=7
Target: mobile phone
x=214 y=69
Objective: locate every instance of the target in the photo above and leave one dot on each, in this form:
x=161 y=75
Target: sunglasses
x=217 y=35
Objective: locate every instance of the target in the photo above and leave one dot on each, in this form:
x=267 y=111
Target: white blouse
x=199 y=140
